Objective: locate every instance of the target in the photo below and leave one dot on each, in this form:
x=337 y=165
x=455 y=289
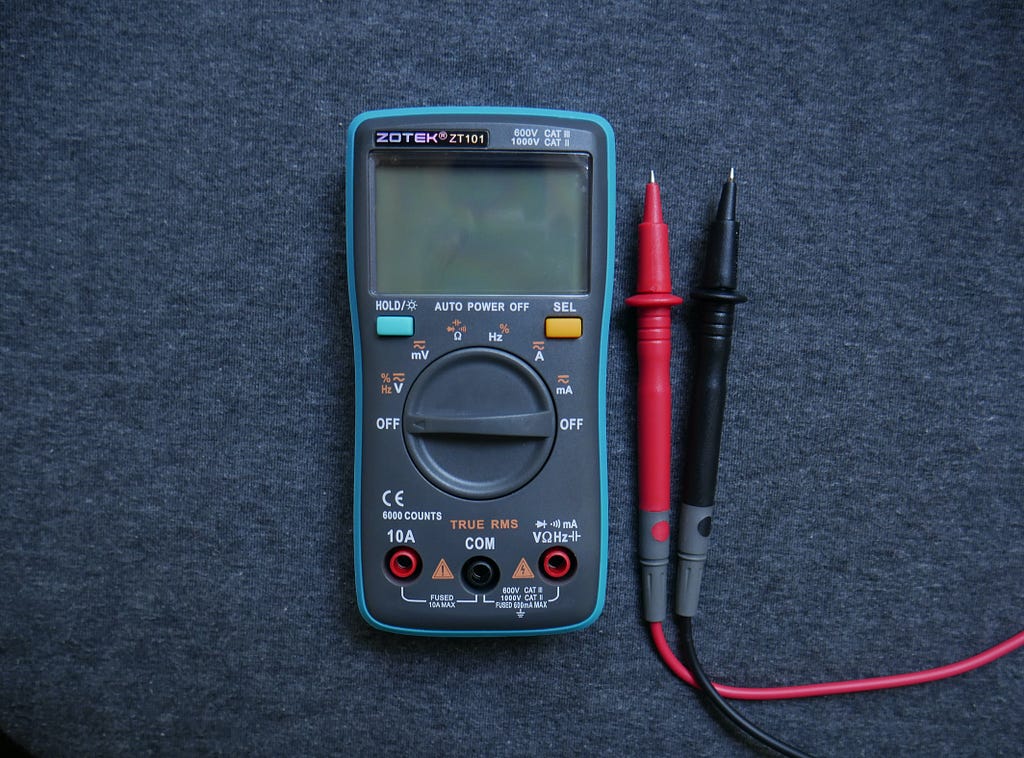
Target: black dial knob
x=479 y=423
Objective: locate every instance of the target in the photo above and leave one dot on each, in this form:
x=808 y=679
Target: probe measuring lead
x=713 y=302
x=653 y=301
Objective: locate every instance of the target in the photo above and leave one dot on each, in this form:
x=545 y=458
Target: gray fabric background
x=176 y=373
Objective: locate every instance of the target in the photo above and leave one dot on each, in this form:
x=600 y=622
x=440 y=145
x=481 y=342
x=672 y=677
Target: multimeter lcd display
x=490 y=224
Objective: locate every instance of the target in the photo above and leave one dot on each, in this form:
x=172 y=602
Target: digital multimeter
x=480 y=257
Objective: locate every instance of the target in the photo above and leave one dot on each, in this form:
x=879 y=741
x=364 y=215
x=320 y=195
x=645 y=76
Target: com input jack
x=480 y=574
x=557 y=563
x=403 y=564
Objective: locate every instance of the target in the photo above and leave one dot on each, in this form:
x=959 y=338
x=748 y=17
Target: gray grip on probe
x=692 y=554
x=654 y=556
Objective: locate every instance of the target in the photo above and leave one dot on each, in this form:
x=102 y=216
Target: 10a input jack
x=557 y=563
x=403 y=564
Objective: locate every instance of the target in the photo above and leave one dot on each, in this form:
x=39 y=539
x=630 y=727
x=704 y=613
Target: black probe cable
x=714 y=303
x=722 y=706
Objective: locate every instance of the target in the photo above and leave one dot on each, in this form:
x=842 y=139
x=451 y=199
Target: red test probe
x=653 y=301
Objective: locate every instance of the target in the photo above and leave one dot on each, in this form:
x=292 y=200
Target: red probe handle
x=654 y=301
x=654 y=405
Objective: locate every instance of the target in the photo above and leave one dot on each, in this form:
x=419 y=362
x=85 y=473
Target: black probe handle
x=712 y=344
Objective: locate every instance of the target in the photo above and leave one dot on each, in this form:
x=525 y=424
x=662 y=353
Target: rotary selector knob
x=479 y=423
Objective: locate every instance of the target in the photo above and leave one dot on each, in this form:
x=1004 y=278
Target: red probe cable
x=654 y=300
x=837 y=688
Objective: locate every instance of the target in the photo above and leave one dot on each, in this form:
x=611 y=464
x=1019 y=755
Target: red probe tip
x=653 y=275
x=652 y=203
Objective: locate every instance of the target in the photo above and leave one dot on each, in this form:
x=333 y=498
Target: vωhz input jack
x=557 y=563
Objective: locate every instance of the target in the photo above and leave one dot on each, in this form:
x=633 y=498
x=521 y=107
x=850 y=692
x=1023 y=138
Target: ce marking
x=393 y=497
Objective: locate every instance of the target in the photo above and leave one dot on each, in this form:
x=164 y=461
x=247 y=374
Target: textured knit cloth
x=176 y=373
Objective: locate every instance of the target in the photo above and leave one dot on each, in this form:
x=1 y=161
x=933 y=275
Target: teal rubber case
x=480 y=503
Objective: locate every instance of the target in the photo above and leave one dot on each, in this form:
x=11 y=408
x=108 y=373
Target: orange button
x=563 y=327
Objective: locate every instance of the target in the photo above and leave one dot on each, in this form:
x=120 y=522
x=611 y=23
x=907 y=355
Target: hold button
x=394 y=326
x=563 y=327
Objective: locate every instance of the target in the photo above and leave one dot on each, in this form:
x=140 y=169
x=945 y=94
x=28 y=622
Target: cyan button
x=394 y=326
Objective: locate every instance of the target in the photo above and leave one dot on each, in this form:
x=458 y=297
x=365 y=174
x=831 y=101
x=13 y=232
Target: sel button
x=563 y=327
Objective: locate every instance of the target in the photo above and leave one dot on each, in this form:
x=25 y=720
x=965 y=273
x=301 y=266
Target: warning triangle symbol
x=523 y=570
x=442 y=571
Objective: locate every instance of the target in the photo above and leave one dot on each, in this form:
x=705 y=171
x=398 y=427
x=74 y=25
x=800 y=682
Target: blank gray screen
x=480 y=229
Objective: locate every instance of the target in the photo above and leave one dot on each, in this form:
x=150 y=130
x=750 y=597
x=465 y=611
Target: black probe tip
x=727 y=205
x=723 y=246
